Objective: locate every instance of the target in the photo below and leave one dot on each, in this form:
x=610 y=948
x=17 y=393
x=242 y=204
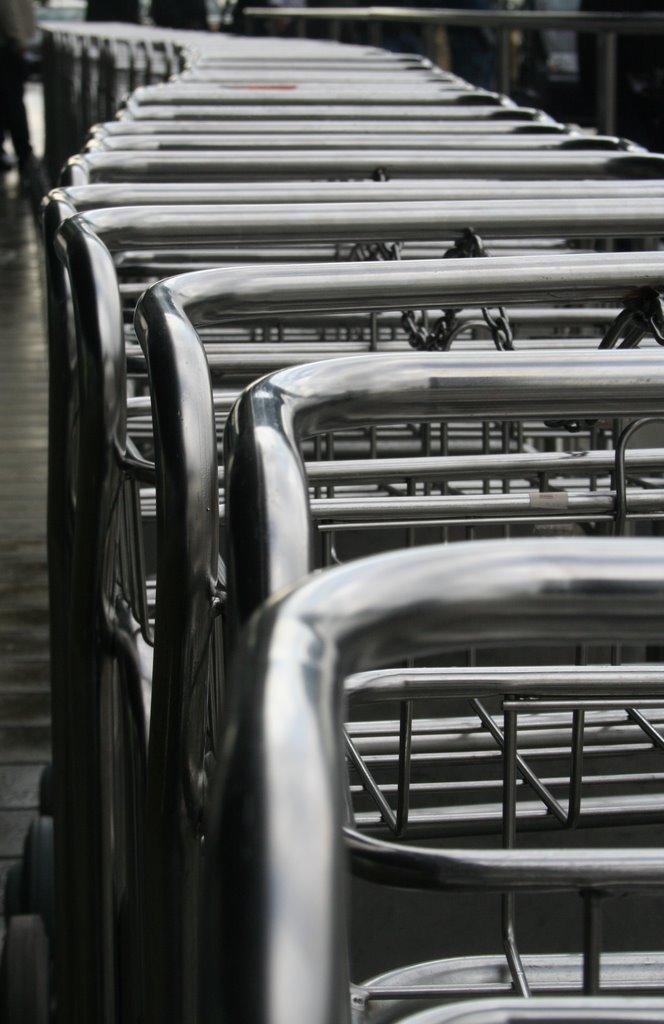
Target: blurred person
x=473 y=50
x=17 y=30
x=185 y=14
x=640 y=74
x=284 y=26
x=112 y=10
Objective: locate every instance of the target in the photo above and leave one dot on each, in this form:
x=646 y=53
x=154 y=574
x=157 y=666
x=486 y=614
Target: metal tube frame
x=286 y=713
x=606 y=27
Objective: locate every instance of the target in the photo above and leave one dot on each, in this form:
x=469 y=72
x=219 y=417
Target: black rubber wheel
x=46 y=792
x=25 y=996
x=14 y=891
x=39 y=873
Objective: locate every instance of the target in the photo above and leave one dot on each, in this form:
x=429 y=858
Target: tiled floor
x=24 y=676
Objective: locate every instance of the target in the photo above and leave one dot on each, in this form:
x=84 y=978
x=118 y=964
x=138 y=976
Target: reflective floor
x=24 y=680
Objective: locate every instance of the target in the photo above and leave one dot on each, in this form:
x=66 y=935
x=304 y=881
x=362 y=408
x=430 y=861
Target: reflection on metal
x=287 y=703
x=238 y=166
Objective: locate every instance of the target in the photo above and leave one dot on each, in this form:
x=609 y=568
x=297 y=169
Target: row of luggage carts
x=355 y=494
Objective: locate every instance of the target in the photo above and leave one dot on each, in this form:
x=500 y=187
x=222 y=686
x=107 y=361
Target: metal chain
x=643 y=313
x=468 y=246
x=446 y=328
x=573 y=426
x=369 y=252
x=436 y=339
x=500 y=327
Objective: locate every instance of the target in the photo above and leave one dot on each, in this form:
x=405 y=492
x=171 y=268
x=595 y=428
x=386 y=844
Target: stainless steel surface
x=266 y=165
x=97 y=539
x=194 y=225
x=372 y=286
x=322 y=140
x=94 y=197
x=293 y=657
x=551 y=1011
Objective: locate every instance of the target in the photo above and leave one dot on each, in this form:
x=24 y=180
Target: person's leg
x=14 y=117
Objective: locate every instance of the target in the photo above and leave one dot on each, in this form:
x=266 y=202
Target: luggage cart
x=283 y=758
x=363 y=223
x=87 y=74
x=86 y=517
x=61 y=206
x=291 y=557
x=104 y=269
x=130 y=572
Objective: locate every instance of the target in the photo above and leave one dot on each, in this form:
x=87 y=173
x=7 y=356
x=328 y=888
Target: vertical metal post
x=508 y=905
x=335 y=30
x=405 y=749
x=503 y=70
x=607 y=51
x=592 y=942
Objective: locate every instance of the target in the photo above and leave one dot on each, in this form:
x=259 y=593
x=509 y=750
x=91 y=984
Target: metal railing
x=605 y=27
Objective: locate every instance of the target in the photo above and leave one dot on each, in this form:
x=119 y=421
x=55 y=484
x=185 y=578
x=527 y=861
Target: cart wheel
x=25 y=972
x=14 y=891
x=38 y=873
x=46 y=791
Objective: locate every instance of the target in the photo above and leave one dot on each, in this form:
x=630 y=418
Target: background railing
x=605 y=27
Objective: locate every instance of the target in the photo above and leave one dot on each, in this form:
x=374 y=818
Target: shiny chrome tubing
x=369 y=74
x=268 y=165
x=433 y=144
x=106 y=230
x=97 y=646
x=82 y=242
x=399 y=93
x=543 y=1010
x=485 y=977
x=493 y=111
x=433 y=220
x=170 y=341
x=187 y=482
x=92 y=279
x=112 y=229
x=368 y=126
x=95 y=197
x=229 y=295
x=331 y=58
x=358 y=77
x=269 y=548
x=244 y=223
x=264 y=470
x=273 y=894
x=551 y=681
x=59 y=536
